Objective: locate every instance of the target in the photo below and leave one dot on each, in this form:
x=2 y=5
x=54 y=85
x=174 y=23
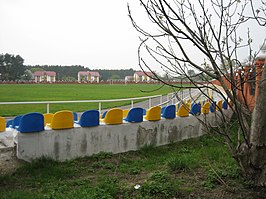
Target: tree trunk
x=253 y=159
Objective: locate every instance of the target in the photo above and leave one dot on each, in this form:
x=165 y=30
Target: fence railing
x=48 y=103
x=170 y=99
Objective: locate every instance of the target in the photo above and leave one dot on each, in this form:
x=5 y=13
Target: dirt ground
x=8 y=160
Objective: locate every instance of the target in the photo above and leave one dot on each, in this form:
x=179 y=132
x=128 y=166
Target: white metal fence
x=170 y=99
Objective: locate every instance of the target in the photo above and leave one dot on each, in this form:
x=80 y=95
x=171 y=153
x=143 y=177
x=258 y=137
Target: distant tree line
x=115 y=74
x=12 y=68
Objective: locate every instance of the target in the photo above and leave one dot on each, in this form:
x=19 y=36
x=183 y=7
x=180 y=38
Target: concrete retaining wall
x=78 y=142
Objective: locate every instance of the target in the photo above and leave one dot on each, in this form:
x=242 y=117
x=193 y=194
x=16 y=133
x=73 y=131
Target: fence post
x=100 y=106
x=161 y=99
x=47 y=108
x=132 y=103
x=149 y=102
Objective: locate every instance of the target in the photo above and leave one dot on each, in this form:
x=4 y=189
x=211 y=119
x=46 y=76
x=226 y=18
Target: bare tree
x=204 y=36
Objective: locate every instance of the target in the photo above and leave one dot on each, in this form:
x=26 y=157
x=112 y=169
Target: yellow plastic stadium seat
x=206 y=108
x=125 y=112
x=153 y=114
x=48 y=118
x=189 y=105
x=219 y=105
x=183 y=111
x=2 y=124
x=114 y=116
x=188 y=101
x=63 y=120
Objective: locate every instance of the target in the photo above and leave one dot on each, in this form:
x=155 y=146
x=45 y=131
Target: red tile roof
x=141 y=73
x=83 y=73
x=92 y=73
x=95 y=74
x=42 y=73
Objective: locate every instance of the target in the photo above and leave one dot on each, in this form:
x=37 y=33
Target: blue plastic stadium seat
x=16 y=122
x=90 y=118
x=31 y=122
x=135 y=115
x=225 y=105
x=195 y=109
x=9 y=123
x=169 y=112
x=162 y=110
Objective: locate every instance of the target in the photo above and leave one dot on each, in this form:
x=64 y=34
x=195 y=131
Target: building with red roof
x=44 y=76
x=143 y=76
x=88 y=76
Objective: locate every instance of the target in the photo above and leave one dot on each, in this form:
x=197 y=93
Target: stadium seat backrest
x=195 y=109
x=48 y=118
x=114 y=116
x=219 y=105
x=89 y=118
x=63 y=120
x=162 y=110
x=183 y=111
x=206 y=108
x=153 y=114
x=225 y=105
x=31 y=122
x=169 y=112
x=135 y=115
x=16 y=121
x=2 y=124
x=9 y=123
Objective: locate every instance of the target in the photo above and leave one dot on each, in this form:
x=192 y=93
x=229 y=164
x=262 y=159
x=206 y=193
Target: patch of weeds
x=101 y=194
x=155 y=189
x=102 y=155
x=134 y=170
x=40 y=163
x=158 y=185
x=160 y=176
x=217 y=176
x=184 y=150
x=109 y=185
x=103 y=165
x=20 y=194
x=5 y=179
x=213 y=179
x=46 y=169
x=182 y=163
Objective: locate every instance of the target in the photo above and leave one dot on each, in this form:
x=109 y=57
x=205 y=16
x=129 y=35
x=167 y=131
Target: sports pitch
x=68 y=92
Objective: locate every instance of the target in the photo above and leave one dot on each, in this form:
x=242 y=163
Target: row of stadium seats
x=36 y=122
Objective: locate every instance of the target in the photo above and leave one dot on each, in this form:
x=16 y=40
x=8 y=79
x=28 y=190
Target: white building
x=44 y=76
x=141 y=76
x=88 y=76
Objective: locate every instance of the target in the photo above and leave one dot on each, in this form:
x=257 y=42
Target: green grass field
x=68 y=92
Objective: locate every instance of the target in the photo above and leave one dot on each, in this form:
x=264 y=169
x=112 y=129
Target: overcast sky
x=95 y=34
x=92 y=33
